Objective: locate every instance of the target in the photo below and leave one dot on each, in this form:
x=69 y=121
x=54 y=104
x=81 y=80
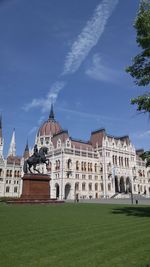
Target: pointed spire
x=26 y=151
x=1 y=138
x=0 y=127
x=51 y=115
x=12 y=148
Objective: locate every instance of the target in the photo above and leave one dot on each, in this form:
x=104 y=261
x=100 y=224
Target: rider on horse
x=37 y=158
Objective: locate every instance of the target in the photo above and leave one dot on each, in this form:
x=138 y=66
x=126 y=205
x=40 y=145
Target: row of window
x=83 y=166
x=91 y=187
x=9 y=182
x=86 y=166
x=120 y=161
x=90 y=177
x=8 y=189
x=9 y=173
x=77 y=176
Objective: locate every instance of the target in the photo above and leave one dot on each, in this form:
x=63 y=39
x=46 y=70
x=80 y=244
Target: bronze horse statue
x=37 y=158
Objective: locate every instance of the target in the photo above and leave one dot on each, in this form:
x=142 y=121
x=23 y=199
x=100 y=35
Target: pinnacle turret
x=1 y=138
x=12 y=148
x=26 y=153
x=1 y=128
x=51 y=115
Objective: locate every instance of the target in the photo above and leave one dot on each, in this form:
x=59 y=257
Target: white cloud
x=141 y=135
x=86 y=40
x=85 y=115
x=145 y=134
x=51 y=97
x=41 y=119
x=101 y=72
x=89 y=36
x=33 y=130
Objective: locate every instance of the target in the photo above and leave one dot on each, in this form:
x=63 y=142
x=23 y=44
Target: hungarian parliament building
x=106 y=166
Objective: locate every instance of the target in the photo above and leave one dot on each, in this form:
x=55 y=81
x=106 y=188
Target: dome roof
x=49 y=127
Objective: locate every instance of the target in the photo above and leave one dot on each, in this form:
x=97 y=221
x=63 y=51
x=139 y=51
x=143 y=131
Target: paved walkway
x=114 y=201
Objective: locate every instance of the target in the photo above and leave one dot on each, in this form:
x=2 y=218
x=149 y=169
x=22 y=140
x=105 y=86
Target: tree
x=140 y=69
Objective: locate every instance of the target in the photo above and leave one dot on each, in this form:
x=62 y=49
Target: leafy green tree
x=143 y=102
x=140 y=69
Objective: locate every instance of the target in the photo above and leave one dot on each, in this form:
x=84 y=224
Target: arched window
x=15 y=189
x=68 y=143
x=10 y=173
x=90 y=187
x=58 y=165
x=1 y=172
x=76 y=186
x=15 y=173
x=69 y=163
x=128 y=162
x=7 y=189
x=91 y=167
x=113 y=159
x=95 y=167
x=109 y=187
x=88 y=166
x=83 y=186
x=77 y=165
x=102 y=188
x=84 y=166
x=49 y=166
x=58 y=143
x=101 y=167
x=119 y=161
x=18 y=173
x=47 y=140
x=7 y=173
x=96 y=187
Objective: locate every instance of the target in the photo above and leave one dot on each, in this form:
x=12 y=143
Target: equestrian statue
x=37 y=158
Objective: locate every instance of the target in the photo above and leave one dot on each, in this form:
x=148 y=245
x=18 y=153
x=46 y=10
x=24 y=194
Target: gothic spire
x=51 y=115
x=26 y=151
x=1 y=138
x=1 y=127
x=12 y=148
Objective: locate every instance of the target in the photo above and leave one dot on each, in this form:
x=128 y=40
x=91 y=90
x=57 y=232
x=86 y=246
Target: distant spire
x=27 y=147
x=26 y=151
x=1 y=138
x=51 y=115
x=12 y=148
x=1 y=127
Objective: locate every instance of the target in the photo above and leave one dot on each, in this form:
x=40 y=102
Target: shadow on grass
x=133 y=211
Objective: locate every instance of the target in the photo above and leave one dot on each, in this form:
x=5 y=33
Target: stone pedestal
x=36 y=186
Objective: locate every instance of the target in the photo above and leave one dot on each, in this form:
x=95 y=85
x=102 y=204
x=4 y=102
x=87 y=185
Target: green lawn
x=74 y=235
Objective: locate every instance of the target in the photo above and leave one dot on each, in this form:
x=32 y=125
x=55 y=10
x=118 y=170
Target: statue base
x=36 y=186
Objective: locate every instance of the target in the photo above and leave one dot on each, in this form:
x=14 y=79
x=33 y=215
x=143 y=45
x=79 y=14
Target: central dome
x=49 y=127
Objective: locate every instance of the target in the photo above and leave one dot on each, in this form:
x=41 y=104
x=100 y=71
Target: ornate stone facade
x=105 y=166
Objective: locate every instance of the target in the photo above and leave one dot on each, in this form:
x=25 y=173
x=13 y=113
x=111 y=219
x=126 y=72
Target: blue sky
x=74 y=54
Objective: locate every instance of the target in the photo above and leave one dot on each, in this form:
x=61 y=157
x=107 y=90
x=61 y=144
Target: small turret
x=1 y=138
x=26 y=153
x=51 y=115
x=12 y=148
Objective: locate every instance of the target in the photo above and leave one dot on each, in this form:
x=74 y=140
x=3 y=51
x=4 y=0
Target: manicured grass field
x=74 y=235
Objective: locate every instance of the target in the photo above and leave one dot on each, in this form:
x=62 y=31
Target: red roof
x=50 y=127
x=13 y=160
